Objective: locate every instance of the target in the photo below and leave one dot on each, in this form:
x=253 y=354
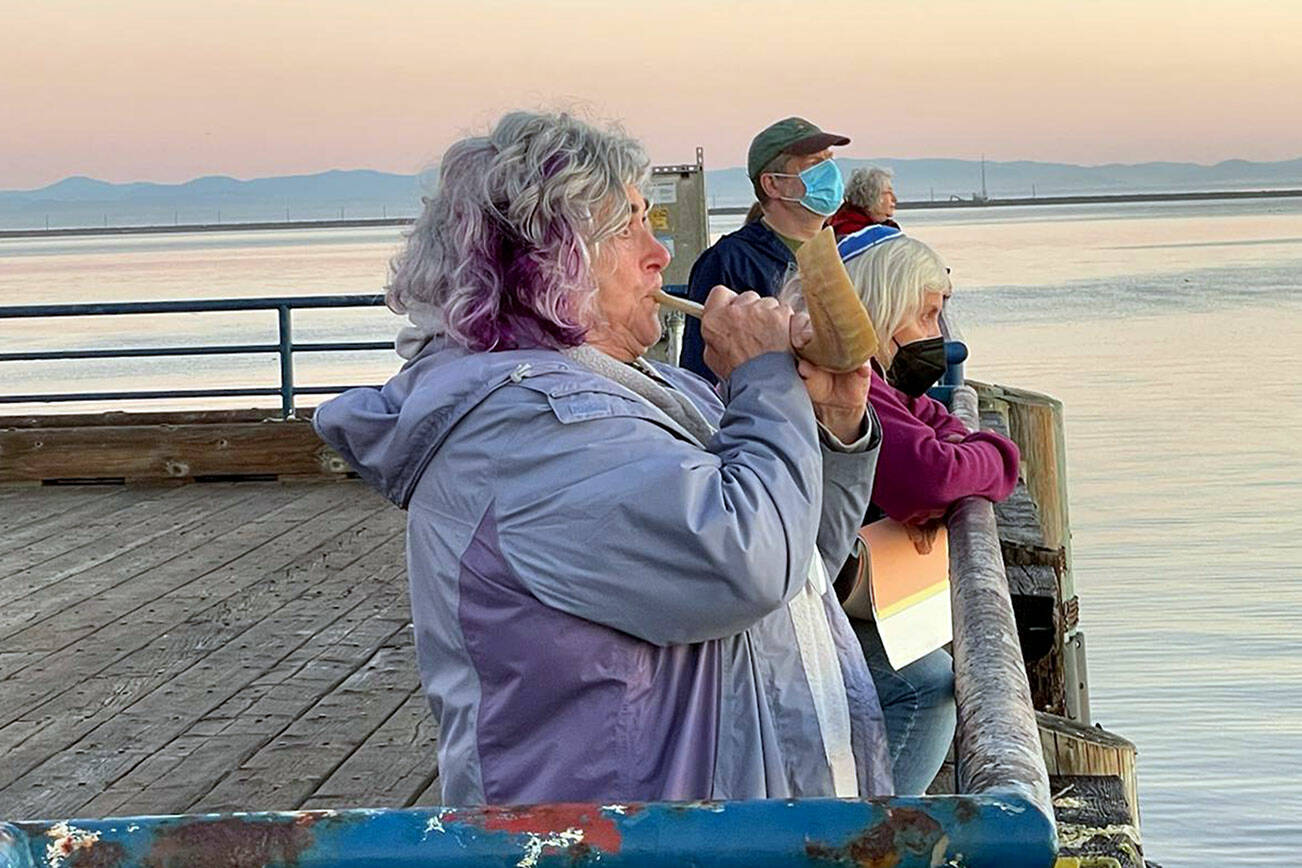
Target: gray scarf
x=641 y=379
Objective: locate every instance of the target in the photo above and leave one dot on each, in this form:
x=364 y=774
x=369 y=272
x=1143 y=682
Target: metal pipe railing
x=284 y=346
x=101 y=308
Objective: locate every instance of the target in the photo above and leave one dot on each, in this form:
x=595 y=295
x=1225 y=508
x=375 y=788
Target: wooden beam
x=189 y=447
x=1073 y=749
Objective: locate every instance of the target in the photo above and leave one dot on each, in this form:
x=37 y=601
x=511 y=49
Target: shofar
x=843 y=334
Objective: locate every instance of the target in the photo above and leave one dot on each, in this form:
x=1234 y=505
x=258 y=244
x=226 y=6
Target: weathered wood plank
x=21 y=510
x=145 y=524
x=187 y=764
x=1049 y=747
x=299 y=558
x=126 y=418
x=186 y=769
x=1032 y=581
x=156 y=709
x=143 y=451
x=84 y=510
x=264 y=709
x=1094 y=821
x=1019 y=519
x=216 y=567
x=1090 y=750
x=393 y=767
x=64 y=614
x=121 y=545
x=187 y=622
x=287 y=770
x=433 y=794
x=12 y=661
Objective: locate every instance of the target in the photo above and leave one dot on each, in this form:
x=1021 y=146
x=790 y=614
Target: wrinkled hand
x=839 y=399
x=923 y=535
x=737 y=328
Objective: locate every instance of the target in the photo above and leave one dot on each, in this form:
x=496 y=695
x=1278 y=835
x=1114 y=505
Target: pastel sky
x=166 y=90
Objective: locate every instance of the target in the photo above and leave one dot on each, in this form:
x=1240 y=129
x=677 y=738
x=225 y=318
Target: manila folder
x=905 y=592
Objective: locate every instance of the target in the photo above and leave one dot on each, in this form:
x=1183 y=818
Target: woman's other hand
x=923 y=535
x=737 y=328
x=839 y=399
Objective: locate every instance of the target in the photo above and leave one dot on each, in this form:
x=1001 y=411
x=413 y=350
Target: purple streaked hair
x=501 y=257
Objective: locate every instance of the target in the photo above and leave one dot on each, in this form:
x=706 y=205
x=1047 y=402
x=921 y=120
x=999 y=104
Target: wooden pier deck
x=206 y=647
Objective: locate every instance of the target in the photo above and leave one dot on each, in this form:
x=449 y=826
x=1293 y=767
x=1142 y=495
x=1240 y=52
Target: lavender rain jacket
x=606 y=611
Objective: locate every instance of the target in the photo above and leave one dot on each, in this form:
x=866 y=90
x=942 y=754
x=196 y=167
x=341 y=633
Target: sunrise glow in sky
x=166 y=90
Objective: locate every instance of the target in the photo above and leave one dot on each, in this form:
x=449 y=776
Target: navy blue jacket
x=752 y=258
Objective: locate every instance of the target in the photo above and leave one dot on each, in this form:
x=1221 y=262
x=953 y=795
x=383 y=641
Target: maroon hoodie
x=929 y=459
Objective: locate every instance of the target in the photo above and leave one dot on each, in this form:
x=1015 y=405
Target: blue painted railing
x=975 y=832
x=284 y=346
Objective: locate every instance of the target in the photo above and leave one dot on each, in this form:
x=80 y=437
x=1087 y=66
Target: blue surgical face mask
x=824 y=188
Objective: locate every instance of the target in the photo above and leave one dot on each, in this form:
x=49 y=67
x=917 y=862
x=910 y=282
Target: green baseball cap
x=788 y=136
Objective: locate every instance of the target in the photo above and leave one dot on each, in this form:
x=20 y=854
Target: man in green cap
x=798 y=186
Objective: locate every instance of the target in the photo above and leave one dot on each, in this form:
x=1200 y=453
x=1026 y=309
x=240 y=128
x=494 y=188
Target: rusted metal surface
x=998 y=744
x=906 y=830
x=1070 y=611
x=954 y=831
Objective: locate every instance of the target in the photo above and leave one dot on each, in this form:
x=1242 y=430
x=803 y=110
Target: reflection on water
x=1185 y=483
x=1172 y=334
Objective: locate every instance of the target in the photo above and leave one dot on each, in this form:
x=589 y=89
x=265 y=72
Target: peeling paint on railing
x=970 y=831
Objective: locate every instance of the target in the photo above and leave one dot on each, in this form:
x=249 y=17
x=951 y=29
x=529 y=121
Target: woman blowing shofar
x=618 y=578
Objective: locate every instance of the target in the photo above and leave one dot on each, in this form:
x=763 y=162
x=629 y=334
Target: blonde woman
x=928 y=461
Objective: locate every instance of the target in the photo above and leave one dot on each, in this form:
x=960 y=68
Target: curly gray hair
x=866 y=185
x=502 y=255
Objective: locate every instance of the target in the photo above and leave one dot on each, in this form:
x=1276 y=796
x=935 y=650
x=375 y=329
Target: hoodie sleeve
x=847 y=484
x=615 y=520
x=921 y=474
x=934 y=414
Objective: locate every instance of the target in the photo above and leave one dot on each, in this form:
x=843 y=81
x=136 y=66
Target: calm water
x=1173 y=333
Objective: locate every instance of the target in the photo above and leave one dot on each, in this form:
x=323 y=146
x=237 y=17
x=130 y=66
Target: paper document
x=905 y=592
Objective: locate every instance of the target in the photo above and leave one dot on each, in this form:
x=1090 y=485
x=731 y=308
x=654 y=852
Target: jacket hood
x=390 y=434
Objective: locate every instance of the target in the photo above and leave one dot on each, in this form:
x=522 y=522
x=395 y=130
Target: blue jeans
x=918 y=703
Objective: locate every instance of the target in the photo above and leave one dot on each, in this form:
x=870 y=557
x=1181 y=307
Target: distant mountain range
x=81 y=201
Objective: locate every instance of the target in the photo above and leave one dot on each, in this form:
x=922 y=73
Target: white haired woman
x=869 y=201
x=928 y=461
x=618 y=577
